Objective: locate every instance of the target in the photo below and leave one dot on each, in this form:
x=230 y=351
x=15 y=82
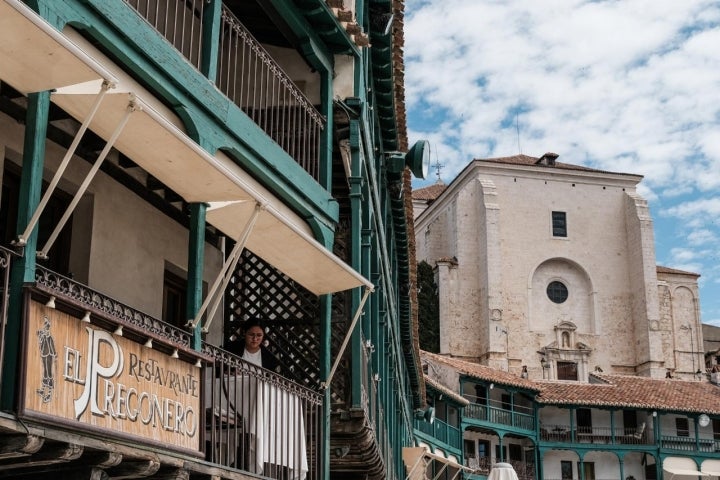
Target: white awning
x=711 y=467
x=153 y=138
x=417 y=459
x=682 y=467
x=35 y=57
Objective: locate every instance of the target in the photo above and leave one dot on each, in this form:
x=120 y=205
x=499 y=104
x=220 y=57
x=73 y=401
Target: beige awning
x=682 y=467
x=417 y=459
x=35 y=57
x=711 y=467
x=153 y=138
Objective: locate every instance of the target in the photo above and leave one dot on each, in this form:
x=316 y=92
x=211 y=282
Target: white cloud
x=629 y=86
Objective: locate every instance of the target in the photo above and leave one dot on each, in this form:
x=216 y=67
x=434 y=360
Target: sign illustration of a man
x=48 y=354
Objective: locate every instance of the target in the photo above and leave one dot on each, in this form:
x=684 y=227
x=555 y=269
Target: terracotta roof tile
x=446 y=391
x=661 y=269
x=430 y=192
x=528 y=160
x=482 y=372
x=605 y=390
x=634 y=392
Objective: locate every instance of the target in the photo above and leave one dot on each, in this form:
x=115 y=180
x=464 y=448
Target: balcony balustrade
x=690 y=444
x=442 y=431
x=503 y=416
x=246 y=74
x=258 y=421
x=255 y=420
x=602 y=435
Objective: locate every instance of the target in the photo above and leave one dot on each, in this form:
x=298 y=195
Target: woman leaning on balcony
x=250 y=345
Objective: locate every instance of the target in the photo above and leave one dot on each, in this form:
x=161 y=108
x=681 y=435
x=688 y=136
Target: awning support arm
x=326 y=384
x=420 y=460
x=22 y=239
x=442 y=470
x=224 y=275
x=86 y=182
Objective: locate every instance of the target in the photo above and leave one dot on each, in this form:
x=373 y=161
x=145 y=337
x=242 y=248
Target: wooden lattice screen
x=291 y=313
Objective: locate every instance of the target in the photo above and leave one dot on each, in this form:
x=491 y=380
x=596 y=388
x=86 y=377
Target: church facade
x=550 y=268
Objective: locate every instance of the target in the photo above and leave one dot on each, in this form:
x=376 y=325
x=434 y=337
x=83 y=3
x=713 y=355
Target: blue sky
x=629 y=86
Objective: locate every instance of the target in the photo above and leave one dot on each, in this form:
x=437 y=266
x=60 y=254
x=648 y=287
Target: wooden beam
x=12 y=446
x=134 y=469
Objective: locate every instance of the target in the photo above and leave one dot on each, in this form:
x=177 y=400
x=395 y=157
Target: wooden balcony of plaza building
x=177 y=153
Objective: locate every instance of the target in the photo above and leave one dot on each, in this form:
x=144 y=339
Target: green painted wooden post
x=355 y=255
x=326 y=137
x=23 y=271
x=210 y=39
x=323 y=443
x=196 y=261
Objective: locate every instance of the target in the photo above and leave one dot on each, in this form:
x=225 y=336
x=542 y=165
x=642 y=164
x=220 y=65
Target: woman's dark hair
x=253 y=322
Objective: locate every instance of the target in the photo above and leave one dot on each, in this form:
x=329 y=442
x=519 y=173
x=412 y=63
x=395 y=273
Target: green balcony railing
x=247 y=74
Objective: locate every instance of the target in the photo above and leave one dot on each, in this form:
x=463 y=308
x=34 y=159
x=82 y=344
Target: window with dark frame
x=559 y=224
x=567 y=371
x=584 y=420
x=59 y=255
x=174 y=299
x=515 y=452
x=629 y=421
x=566 y=470
x=557 y=292
x=716 y=428
x=682 y=426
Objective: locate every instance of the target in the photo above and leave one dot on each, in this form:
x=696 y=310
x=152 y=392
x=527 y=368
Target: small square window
x=559 y=224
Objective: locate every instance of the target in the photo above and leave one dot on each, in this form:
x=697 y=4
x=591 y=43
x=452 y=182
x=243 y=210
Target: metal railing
x=250 y=77
x=246 y=74
x=255 y=420
x=5 y=263
x=258 y=421
x=179 y=21
x=601 y=435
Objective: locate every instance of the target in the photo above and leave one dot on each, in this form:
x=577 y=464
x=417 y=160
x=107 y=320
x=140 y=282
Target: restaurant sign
x=77 y=372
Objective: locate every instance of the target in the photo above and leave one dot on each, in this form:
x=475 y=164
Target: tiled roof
x=661 y=269
x=621 y=391
x=430 y=192
x=634 y=392
x=446 y=391
x=532 y=161
x=481 y=372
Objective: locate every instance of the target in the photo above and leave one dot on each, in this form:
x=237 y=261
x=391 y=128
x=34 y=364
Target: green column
x=23 y=271
x=323 y=443
x=326 y=137
x=355 y=181
x=211 y=39
x=196 y=261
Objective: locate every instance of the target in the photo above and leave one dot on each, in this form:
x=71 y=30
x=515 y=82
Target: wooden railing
x=602 y=435
x=502 y=416
x=440 y=430
x=246 y=74
x=690 y=444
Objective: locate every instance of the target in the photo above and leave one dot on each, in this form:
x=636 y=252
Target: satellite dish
x=704 y=420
